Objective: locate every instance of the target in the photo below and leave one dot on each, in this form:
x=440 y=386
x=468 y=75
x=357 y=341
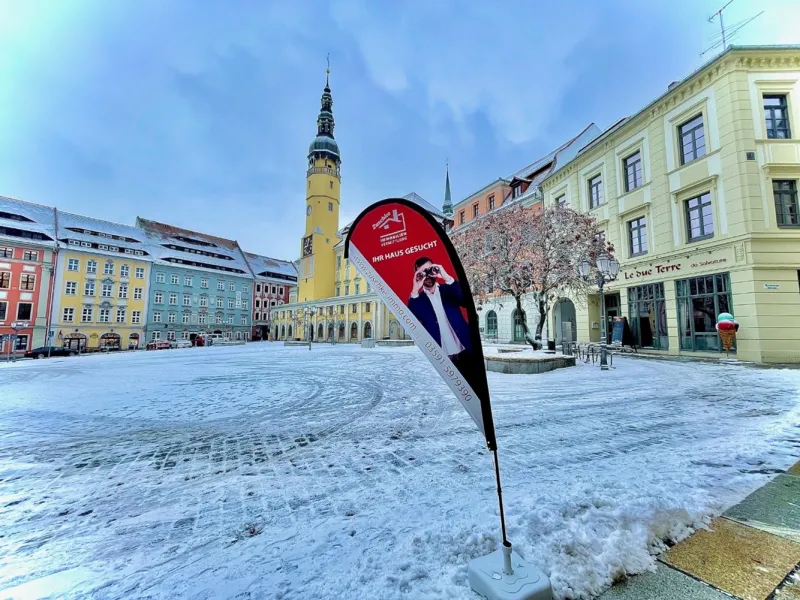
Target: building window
x=73 y=264
x=171 y=317
x=648 y=316
x=156 y=336
x=519 y=320
x=125 y=271
x=561 y=200
x=21 y=343
x=595 y=191
x=230 y=303
x=157 y=317
x=136 y=317
x=120 y=315
x=173 y=298
x=187 y=300
x=491 y=324
x=91 y=266
x=699 y=218
x=185 y=318
x=27 y=282
x=244 y=304
x=187 y=280
x=138 y=293
x=106 y=291
x=347 y=289
x=5 y=280
x=139 y=272
x=280 y=290
x=204 y=301
x=258 y=288
x=158 y=298
x=231 y=287
x=68 y=316
x=86 y=314
x=358 y=288
x=71 y=288
x=244 y=320
x=700 y=300
x=330 y=204
x=474 y=211
x=491 y=202
x=221 y=286
x=174 y=278
x=6 y=252
x=633 y=171
x=105 y=315
x=30 y=255
x=461 y=217
x=24 y=311
x=786 y=208
x=123 y=290
x=257 y=317
x=367 y=306
x=230 y=320
x=160 y=278
x=776 y=113
x=338 y=290
x=693 y=139
x=171 y=335
x=108 y=268
x=204 y=282
x=637 y=236
x=220 y=301
x=219 y=319
x=88 y=288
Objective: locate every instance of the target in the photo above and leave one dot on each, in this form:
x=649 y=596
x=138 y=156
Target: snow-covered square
x=267 y=471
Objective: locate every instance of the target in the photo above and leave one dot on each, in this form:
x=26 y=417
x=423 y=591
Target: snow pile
x=275 y=472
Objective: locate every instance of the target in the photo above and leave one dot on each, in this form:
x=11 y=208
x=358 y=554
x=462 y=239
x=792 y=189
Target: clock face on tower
x=308 y=210
x=307 y=246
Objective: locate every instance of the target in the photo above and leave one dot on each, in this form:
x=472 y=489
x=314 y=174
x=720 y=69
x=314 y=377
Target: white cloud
x=471 y=57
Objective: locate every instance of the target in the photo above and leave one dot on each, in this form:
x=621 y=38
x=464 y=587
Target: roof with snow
x=192 y=249
x=104 y=237
x=267 y=268
x=27 y=222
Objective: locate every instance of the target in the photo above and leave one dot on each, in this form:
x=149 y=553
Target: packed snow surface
x=265 y=471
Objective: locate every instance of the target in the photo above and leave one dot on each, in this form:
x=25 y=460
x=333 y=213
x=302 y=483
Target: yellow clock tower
x=323 y=180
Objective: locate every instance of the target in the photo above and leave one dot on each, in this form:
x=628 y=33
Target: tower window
x=331 y=183
x=330 y=206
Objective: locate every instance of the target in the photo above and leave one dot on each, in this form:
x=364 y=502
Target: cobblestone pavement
x=264 y=471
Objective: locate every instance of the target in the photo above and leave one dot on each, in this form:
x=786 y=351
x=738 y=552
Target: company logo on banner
x=407 y=258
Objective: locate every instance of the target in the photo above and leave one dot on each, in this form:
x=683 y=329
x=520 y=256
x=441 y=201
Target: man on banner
x=436 y=300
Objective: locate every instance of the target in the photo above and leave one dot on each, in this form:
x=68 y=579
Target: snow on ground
x=271 y=472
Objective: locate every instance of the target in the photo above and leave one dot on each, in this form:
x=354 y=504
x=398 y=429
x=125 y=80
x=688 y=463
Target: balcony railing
x=324 y=171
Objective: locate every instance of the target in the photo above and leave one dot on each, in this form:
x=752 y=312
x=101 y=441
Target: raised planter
x=294 y=343
x=394 y=343
x=527 y=365
x=508 y=350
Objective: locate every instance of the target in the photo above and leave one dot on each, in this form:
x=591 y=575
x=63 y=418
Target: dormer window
x=15 y=217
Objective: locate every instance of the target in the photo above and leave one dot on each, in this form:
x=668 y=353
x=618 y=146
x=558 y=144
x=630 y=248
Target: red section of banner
x=414 y=268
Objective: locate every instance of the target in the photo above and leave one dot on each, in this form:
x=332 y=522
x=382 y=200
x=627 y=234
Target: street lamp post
x=606 y=270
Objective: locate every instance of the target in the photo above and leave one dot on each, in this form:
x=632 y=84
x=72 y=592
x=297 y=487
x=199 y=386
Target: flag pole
x=507 y=567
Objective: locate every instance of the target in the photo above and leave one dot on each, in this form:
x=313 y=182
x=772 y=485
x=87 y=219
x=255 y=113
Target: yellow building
x=698 y=192
x=100 y=290
x=332 y=303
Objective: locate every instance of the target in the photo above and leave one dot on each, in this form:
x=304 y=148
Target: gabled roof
x=192 y=249
x=27 y=217
x=97 y=232
x=266 y=268
x=561 y=154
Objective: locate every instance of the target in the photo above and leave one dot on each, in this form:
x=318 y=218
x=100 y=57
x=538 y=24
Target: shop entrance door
x=612 y=310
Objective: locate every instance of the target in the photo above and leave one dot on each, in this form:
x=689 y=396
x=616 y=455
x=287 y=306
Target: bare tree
x=513 y=251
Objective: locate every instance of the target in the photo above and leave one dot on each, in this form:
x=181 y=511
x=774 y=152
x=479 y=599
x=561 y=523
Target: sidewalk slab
x=741 y=560
x=663 y=584
x=774 y=508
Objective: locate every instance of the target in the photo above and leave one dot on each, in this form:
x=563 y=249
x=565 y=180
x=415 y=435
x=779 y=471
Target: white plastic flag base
x=488 y=577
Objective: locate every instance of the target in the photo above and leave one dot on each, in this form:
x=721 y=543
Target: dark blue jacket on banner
x=452 y=301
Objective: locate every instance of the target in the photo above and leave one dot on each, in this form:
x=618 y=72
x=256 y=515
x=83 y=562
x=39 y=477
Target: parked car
x=53 y=351
x=183 y=344
x=158 y=345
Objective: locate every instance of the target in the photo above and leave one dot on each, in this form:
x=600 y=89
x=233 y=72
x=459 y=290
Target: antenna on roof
x=725 y=35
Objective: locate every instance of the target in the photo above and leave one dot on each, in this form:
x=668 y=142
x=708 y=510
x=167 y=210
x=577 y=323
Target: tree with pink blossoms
x=513 y=251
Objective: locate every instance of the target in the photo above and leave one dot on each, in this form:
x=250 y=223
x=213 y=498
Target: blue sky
x=199 y=112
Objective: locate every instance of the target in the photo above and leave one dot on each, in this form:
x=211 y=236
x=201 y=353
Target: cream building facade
x=698 y=193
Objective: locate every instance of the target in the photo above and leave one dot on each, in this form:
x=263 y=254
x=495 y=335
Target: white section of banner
x=440 y=361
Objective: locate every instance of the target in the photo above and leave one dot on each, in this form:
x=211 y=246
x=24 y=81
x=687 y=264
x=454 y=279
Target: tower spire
x=324 y=145
x=447 y=208
x=328 y=72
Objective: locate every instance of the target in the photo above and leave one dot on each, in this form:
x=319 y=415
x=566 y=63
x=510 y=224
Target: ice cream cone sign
x=727 y=328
